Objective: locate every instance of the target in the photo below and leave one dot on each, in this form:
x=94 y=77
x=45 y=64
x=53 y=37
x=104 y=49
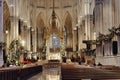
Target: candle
x=94 y=36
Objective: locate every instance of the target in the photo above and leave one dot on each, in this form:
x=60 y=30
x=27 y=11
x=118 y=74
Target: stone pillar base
x=99 y=59
x=1 y=57
x=1 y=62
x=118 y=60
x=108 y=60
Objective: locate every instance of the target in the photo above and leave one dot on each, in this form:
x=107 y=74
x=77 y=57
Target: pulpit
x=89 y=43
x=90 y=53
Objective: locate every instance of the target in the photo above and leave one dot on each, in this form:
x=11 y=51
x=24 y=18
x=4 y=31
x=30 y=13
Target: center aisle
x=48 y=74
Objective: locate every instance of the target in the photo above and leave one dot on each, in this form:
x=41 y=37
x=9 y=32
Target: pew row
x=72 y=72
x=19 y=73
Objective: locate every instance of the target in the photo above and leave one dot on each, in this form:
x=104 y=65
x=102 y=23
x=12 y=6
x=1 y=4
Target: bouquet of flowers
x=115 y=30
x=106 y=37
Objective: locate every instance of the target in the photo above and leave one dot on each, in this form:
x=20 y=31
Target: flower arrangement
x=115 y=30
x=106 y=37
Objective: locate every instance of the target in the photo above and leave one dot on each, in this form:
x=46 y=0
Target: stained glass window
x=55 y=41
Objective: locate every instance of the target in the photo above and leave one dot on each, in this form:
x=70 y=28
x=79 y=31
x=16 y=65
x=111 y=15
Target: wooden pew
x=19 y=73
x=70 y=72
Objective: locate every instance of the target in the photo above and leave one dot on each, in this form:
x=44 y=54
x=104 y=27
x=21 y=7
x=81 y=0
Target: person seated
x=79 y=61
x=99 y=64
x=94 y=64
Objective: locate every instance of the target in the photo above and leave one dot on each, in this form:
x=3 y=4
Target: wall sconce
x=94 y=34
x=6 y=31
x=23 y=43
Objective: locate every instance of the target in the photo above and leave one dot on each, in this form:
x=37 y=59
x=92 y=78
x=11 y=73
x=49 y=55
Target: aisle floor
x=48 y=74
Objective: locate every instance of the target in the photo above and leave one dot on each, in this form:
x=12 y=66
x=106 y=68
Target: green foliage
x=15 y=49
x=115 y=30
x=103 y=37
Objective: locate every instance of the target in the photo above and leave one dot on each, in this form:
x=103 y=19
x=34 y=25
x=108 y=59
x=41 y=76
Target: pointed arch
x=67 y=13
x=68 y=23
x=6 y=25
x=68 y=30
x=57 y=19
x=40 y=29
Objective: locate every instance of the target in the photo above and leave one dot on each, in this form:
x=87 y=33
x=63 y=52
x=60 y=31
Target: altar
x=53 y=56
x=53 y=51
x=54 y=38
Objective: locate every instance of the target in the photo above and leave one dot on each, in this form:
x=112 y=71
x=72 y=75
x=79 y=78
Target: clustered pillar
x=118 y=38
x=1 y=32
x=98 y=24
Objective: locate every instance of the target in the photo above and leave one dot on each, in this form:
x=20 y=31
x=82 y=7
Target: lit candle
x=94 y=36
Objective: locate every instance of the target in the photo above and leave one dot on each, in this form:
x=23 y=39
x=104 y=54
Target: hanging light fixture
x=54 y=23
x=54 y=26
x=53 y=29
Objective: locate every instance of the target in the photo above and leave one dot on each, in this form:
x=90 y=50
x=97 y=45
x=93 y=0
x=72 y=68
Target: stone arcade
x=64 y=33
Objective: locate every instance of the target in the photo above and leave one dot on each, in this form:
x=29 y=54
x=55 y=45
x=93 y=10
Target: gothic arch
x=40 y=29
x=6 y=23
x=65 y=16
x=68 y=31
x=58 y=21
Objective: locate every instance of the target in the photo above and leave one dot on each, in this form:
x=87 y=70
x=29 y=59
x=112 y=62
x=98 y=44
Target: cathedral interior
x=59 y=39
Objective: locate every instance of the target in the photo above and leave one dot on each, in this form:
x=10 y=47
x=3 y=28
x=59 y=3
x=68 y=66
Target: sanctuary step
x=52 y=64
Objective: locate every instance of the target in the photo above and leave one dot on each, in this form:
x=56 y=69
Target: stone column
x=107 y=23
x=99 y=28
x=99 y=54
x=75 y=39
x=118 y=55
x=87 y=19
x=25 y=36
x=98 y=23
x=116 y=6
x=98 y=16
x=118 y=37
x=79 y=38
x=107 y=48
x=87 y=27
x=27 y=39
x=34 y=38
x=14 y=28
x=91 y=28
x=1 y=32
x=99 y=50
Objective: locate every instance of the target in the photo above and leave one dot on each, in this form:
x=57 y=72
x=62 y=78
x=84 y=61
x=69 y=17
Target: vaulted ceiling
x=49 y=3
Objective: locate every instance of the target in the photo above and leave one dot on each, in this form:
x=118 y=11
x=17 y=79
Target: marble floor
x=48 y=74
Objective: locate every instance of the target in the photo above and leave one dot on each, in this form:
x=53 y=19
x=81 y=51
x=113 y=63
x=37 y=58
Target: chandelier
x=54 y=23
x=53 y=29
